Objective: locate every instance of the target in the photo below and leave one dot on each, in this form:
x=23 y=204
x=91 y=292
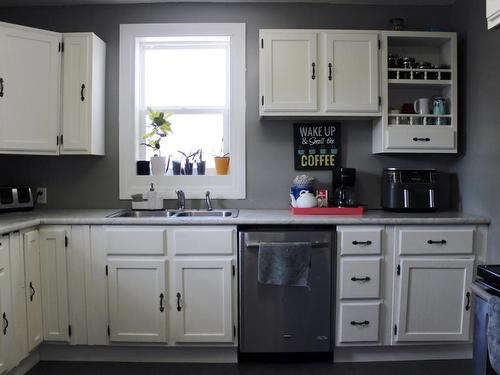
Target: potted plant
x=160 y=128
x=200 y=164
x=222 y=161
x=188 y=161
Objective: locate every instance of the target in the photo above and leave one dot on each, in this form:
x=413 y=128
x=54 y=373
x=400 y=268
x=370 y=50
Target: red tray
x=327 y=211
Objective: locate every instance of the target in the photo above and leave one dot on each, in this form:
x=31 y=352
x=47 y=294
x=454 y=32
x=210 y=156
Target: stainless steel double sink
x=176 y=213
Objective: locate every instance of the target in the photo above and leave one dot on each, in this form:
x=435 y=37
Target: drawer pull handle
x=32 y=291
x=330 y=66
x=416 y=139
x=467 y=306
x=1 y=87
x=367 y=278
x=363 y=323
x=179 y=307
x=362 y=242
x=5 y=323
x=162 y=308
x=82 y=96
x=313 y=71
x=431 y=242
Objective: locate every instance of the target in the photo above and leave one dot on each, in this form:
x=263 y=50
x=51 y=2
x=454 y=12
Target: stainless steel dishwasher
x=283 y=319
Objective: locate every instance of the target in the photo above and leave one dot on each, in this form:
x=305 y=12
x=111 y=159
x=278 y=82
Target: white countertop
x=16 y=221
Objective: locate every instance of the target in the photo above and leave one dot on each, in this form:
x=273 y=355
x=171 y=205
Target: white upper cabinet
x=289 y=71
x=33 y=289
x=343 y=70
x=351 y=68
x=84 y=59
x=431 y=79
x=493 y=13
x=137 y=299
x=30 y=68
x=54 y=278
x=434 y=299
x=203 y=300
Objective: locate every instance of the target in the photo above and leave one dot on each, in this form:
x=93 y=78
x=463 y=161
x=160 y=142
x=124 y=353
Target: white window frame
x=232 y=186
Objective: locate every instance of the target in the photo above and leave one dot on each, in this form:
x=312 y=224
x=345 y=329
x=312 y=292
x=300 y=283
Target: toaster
x=410 y=190
x=18 y=198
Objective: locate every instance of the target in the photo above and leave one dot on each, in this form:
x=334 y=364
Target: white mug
x=421 y=106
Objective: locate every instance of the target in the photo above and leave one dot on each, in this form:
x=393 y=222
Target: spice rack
x=433 y=74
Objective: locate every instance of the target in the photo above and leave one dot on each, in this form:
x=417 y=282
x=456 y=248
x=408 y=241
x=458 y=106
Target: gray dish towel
x=493 y=333
x=284 y=263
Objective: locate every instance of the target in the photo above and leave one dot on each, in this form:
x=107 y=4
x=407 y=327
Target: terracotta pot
x=221 y=164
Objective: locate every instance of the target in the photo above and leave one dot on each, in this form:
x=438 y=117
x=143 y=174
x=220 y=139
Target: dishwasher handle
x=316 y=244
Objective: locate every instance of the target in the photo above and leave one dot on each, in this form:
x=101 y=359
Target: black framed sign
x=317 y=145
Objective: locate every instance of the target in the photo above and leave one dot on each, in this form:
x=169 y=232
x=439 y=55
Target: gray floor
x=452 y=367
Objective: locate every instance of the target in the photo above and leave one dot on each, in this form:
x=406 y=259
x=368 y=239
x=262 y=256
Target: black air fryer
x=410 y=190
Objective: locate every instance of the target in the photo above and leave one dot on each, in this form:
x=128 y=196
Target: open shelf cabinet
x=409 y=132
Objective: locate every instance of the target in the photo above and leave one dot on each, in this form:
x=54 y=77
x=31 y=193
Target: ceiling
x=10 y=3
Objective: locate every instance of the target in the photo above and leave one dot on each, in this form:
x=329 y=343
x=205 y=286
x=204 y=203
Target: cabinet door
x=5 y=306
x=434 y=299
x=77 y=89
x=351 y=72
x=19 y=321
x=29 y=90
x=203 y=300
x=54 y=284
x=289 y=71
x=33 y=289
x=137 y=299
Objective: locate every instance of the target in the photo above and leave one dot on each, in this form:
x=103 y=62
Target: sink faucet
x=208 y=201
x=181 y=199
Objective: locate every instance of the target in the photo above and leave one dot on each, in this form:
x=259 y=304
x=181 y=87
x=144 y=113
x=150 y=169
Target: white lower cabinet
x=5 y=306
x=33 y=289
x=137 y=293
x=434 y=302
x=54 y=278
x=203 y=300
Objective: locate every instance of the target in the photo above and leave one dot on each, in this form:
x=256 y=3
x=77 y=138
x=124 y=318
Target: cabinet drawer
x=436 y=240
x=360 y=240
x=359 y=322
x=429 y=137
x=135 y=240
x=194 y=240
x=360 y=278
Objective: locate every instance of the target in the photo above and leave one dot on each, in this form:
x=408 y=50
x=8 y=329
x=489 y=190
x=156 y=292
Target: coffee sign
x=316 y=145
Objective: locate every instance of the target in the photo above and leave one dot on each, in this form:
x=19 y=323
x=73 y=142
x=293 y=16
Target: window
x=195 y=73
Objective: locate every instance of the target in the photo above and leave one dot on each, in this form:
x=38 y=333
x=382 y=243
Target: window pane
x=192 y=132
x=185 y=77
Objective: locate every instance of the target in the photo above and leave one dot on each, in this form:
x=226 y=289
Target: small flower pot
x=221 y=165
x=200 y=168
x=158 y=165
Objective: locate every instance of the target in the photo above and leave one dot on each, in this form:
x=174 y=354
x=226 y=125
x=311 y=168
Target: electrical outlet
x=41 y=193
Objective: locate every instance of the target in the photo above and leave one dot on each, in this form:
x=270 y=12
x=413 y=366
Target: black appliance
x=17 y=198
x=410 y=190
x=486 y=285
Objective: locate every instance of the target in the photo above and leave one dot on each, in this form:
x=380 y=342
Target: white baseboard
x=26 y=364
x=402 y=353
x=54 y=352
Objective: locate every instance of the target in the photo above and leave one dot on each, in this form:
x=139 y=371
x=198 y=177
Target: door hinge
x=379 y=44
x=57 y=140
x=395 y=329
x=62 y=139
x=262 y=43
x=61 y=47
x=66 y=241
x=69 y=330
x=262 y=100
x=109 y=331
x=398 y=270
x=106 y=270
x=234 y=270
x=379 y=102
x=234 y=331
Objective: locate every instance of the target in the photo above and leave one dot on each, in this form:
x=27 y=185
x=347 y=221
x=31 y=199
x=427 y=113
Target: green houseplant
x=159 y=128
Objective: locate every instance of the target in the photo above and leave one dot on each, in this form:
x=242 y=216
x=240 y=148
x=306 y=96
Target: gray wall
x=479 y=165
x=75 y=181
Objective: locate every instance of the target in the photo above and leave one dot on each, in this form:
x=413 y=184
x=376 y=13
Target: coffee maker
x=410 y=190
